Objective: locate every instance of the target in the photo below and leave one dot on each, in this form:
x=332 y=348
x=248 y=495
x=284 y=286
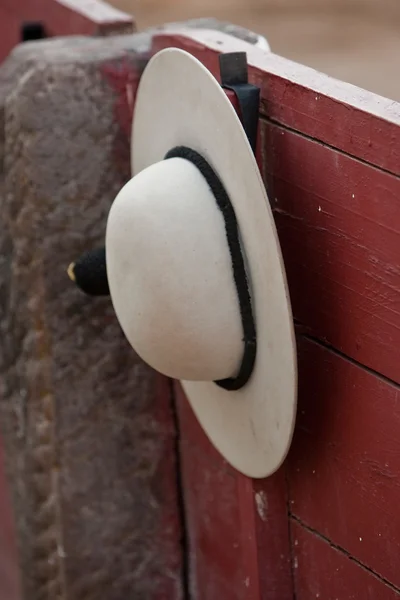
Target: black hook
x=32 y=30
x=234 y=76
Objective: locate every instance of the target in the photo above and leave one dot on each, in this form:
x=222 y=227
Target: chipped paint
x=262 y=505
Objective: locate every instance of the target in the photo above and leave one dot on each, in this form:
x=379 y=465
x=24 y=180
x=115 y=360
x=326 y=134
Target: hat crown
x=170 y=274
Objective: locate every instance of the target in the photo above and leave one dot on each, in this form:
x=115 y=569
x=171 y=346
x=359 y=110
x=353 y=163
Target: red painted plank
x=213 y=527
x=72 y=17
x=237 y=529
x=345 y=459
x=9 y=31
x=358 y=122
x=339 y=226
x=60 y=18
x=165 y=490
x=323 y=572
x=9 y=572
x=124 y=76
x=273 y=543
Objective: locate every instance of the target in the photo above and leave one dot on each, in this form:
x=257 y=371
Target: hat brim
x=179 y=102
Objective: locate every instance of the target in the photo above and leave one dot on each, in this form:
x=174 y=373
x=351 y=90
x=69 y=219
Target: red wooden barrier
x=327 y=525
x=237 y=530
x=60 y=18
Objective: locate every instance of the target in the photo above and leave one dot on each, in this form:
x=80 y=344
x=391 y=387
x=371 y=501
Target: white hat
x=194 y=266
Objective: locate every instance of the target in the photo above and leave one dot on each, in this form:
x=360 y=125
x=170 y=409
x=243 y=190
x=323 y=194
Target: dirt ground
x=359 y=43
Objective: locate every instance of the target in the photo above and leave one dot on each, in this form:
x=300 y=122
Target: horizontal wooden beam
x=339 y=114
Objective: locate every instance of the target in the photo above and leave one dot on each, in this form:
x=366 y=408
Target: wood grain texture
x=323 y=572
x=237 y=529
x=340 y=115
x=344 y=462
x=216 y=567
x=339 y=227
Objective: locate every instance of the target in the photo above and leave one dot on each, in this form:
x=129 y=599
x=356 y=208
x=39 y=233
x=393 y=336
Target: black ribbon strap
x=238 y=265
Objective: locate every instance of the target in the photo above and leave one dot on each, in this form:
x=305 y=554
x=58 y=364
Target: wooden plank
x=9 y=571
x=345 y=458
x=339 y=114
x=237 y=529
x=273 y=542
x=339 y=226
x=212 y=515
x=10 y=33
x=71 y=17
x=323 y=572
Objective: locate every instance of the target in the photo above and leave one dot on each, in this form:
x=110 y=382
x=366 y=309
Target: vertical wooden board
x=339 y=226
x=237 y=528
x=166 y=493
x=123 y=77
x=323 y=572
x=273 y=543
x=345 y=460
x=209 y=485
x=9 y=31
x=9 y=576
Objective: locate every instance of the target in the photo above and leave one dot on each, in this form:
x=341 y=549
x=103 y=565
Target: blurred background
x=354 y=40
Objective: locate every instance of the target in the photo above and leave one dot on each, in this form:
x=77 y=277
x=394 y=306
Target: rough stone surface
x=88 y=428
